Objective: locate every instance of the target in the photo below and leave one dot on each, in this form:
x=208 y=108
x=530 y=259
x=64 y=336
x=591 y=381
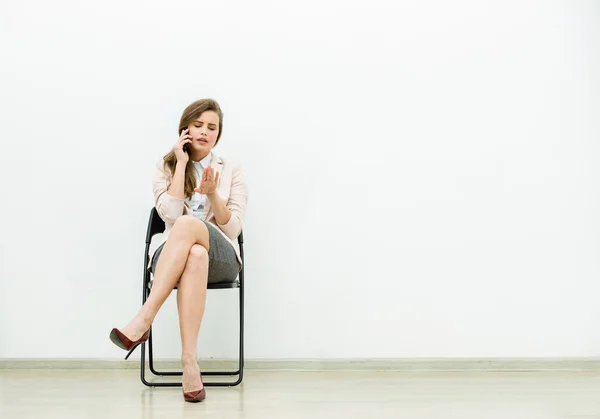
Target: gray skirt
x=223 y=265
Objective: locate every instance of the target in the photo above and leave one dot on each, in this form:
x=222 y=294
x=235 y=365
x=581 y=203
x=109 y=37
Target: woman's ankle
x=147 y=315
x=189 y=358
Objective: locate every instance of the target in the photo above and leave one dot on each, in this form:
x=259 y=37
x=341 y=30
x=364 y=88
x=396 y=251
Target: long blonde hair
x=190 y=114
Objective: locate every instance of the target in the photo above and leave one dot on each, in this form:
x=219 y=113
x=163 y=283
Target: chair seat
x=224 y=285
x=214 y=286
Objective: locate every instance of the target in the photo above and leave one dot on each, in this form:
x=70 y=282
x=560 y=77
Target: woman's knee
x=184 y=227
x=189 y=228
x=184 y=223
x=197 y=257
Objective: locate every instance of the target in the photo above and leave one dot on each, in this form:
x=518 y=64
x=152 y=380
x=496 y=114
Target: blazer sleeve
x=168 y=207
x=236 y=203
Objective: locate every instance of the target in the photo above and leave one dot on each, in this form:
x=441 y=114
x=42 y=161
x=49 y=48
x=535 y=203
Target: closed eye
x=210 y=128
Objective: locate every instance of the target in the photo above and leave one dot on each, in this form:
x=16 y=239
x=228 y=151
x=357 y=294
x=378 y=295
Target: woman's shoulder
x=231 y=162
x=161 y=171
x=159 y=165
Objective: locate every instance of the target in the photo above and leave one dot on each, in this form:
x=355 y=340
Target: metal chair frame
x=155 y=226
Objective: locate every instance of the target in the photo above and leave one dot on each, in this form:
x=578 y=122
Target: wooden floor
x=113 y=394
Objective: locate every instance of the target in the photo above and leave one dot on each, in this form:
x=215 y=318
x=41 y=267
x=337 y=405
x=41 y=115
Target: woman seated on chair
x=202 y=199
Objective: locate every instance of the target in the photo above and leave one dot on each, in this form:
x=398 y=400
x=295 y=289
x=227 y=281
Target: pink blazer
x=232 y=188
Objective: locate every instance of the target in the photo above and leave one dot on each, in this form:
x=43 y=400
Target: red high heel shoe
x=194 y=396
x=123 y=342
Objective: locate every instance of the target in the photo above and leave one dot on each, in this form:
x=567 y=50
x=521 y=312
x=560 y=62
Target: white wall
x=423 y=176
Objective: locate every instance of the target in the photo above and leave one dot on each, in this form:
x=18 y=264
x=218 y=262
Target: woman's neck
x=198 y=157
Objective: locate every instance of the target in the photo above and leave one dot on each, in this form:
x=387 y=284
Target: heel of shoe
x=123 y=342
x=131 y=351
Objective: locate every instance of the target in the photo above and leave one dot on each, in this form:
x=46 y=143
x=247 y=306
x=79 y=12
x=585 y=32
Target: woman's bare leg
x=187 y=231
x=191 y=299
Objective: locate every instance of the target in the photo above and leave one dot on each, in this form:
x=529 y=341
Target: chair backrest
x=156 y=225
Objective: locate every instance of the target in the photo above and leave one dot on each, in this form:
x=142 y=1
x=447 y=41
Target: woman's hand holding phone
x=180 y=147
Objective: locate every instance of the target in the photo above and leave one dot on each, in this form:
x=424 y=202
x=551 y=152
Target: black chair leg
x=239 y=372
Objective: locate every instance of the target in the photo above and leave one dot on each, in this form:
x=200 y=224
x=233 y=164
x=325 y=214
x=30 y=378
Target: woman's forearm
x=177 y=187
x=219 y=208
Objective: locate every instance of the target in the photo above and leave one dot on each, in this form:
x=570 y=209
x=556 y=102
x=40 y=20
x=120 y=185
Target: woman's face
x=204 y=131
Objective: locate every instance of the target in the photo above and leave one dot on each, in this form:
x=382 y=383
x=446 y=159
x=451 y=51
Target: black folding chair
x=155 y=226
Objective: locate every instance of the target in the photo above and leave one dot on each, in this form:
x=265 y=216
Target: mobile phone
x=186 y=146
